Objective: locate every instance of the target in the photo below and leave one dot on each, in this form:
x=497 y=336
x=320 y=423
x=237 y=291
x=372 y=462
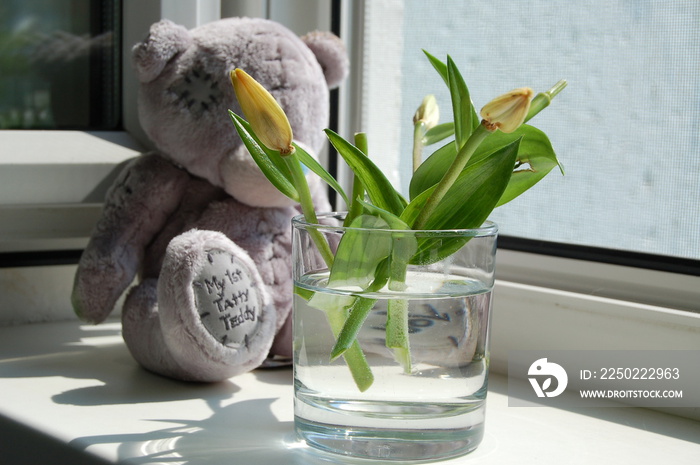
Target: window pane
x=627 y=128
x=60 y=64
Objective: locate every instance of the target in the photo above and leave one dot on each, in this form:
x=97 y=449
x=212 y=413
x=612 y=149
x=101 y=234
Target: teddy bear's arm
x=137 y=206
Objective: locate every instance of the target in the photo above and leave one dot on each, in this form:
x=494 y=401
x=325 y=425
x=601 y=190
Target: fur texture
x=198 y=229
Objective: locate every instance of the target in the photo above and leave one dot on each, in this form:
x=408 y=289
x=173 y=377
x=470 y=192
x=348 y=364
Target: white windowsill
x=73 y=394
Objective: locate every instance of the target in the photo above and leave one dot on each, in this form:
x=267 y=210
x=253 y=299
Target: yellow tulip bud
x=266 y=117
x=428 y=112
x=508 y=111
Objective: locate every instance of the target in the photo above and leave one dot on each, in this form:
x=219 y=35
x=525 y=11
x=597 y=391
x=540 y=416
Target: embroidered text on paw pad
x=227 y=299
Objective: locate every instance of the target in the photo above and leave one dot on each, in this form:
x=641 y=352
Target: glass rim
x=488 y=228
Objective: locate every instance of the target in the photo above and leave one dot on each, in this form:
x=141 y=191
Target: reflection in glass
x=60 y=64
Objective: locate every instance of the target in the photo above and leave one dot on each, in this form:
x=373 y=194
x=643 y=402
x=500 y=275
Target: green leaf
x=439 y=66
x=358 y=190
x=474 y=195
x=370 y=257
x=438 y=133
x=536 y=158
x=403 y=246
x=391 y=221
x=311 y=163
x=458 y=86
x=273 y=155
x=360 y=261
x=379 y=189
x=462 y=108
x=431 y=171
x=273 y=169
x=359 y=252
x=360 y=309
x=534 y=162
x=468 y=203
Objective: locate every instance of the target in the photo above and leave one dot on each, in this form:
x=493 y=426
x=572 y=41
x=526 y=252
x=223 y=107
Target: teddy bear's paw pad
x=228 y=299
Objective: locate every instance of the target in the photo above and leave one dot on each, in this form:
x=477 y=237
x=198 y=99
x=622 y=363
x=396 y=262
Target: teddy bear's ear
x=331 y=54
x=165 y=40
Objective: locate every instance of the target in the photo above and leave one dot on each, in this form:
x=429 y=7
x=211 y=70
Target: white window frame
x=541 y=302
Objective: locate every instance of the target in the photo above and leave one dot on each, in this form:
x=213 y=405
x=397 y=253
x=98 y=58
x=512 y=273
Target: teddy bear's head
x=185 y=93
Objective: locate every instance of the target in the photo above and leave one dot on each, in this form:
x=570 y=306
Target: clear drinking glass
x=430 y=410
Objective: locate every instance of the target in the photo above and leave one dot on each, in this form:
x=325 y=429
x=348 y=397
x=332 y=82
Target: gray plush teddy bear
x=198 y=225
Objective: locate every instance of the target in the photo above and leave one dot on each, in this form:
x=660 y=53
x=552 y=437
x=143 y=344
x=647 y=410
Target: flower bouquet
x=392 y=297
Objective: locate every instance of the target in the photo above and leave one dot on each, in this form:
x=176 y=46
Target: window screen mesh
x=627 y=128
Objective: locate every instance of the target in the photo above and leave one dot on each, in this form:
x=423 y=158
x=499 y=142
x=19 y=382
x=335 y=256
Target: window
x=626 y=130
x=51 y=182
x=61 y=65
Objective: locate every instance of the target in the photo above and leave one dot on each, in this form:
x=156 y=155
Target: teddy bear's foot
x=216 y=315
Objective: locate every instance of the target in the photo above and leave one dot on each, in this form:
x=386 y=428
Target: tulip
x=266 y=117
x=428 y=113
x=508 y=111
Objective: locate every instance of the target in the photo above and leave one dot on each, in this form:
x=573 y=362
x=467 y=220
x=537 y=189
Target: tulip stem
x=307 y=206
x=460 y=161
x=397 y=330
x=543 y=99
x=354 y=357
x=419 y=130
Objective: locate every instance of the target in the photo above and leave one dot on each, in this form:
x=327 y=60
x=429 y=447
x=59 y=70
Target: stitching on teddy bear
x=196 y=91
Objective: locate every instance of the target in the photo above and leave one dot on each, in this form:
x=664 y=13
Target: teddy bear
x=193 y=234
